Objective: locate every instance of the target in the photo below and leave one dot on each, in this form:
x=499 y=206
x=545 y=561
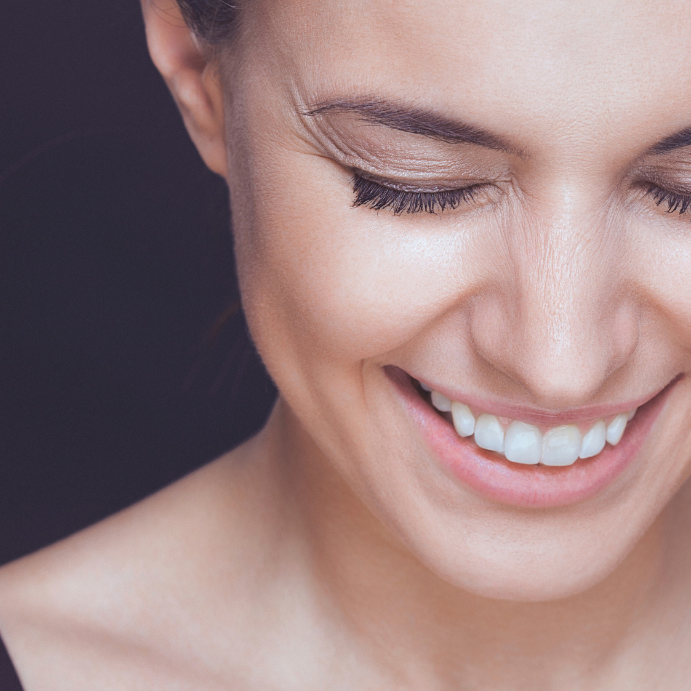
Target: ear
x=191 y=77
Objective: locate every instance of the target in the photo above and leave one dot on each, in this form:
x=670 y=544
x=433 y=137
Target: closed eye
x=377 y=196
x=674 y=201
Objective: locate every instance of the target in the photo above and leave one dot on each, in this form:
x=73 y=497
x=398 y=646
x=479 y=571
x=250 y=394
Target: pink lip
x=537 y=416
x=529 y=486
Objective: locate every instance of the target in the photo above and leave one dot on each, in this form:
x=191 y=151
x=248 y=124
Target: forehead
x=586 y=68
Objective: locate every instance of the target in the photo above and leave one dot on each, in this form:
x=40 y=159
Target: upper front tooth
x=616 y=428
x=489 y=434
x=522 y=443
x=425 y=387
x=594 y=440
x=441 y=402
x=463 y=419
x=561 y=445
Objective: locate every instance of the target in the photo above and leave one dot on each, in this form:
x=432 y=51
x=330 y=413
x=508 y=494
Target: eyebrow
x=416 y=121
x=677 y=140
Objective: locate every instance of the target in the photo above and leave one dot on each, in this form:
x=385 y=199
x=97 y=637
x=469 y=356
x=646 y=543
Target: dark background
x=115 y=265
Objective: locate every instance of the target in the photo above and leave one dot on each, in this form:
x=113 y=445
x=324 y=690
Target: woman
x=463 y=242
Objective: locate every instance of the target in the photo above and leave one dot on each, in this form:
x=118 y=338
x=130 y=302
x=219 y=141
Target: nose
x=557 y=318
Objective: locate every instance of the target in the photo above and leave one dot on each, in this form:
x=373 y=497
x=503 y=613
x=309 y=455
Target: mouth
x=521 y=442
x=529 y=458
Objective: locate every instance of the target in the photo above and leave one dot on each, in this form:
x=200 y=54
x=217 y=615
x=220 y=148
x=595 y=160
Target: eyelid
x=389 y=159
x=377 y=197
x=417 y=187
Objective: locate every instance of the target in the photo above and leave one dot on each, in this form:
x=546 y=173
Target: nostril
x=562 y=356
x=555 y=387
x=557 y=377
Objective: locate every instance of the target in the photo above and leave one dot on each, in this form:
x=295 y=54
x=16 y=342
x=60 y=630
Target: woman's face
x=551 y=285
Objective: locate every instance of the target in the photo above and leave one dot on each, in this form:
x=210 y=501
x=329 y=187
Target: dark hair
x=214 y=21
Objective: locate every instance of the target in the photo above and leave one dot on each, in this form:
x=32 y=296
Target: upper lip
x=544 y=416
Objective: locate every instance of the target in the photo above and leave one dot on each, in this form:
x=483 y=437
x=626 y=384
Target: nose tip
x=562 y=353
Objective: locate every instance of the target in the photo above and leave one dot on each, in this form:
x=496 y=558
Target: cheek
x=339 y=282
x=666 y=279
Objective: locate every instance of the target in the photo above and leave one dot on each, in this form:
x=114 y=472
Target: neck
x=433 y=634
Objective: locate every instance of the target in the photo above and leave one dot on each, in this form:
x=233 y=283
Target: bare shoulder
x=132 y=593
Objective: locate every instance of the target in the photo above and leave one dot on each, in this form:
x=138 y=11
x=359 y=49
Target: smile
x=529 y=457
x=521 y=442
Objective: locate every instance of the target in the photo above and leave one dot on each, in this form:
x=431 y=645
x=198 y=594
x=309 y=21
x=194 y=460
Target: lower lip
x=535 y=486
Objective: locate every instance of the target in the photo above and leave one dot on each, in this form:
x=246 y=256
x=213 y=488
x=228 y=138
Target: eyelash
x=674 y=201
x=375 y=196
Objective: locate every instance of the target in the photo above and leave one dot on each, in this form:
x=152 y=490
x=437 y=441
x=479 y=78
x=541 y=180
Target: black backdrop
x=115 y=265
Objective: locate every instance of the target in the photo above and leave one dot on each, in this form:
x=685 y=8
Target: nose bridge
x=559 y=299
x=564 y=325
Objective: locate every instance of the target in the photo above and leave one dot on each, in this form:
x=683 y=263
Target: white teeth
x=561 y=445
x=523 y=443
x=594 y=441
x=616 y=428
x=489 y=434
x=463 y=419
x=425 y=387
x=441 y=402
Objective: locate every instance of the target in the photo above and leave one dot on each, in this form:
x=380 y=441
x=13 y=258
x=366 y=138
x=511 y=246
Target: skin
x=333 y=550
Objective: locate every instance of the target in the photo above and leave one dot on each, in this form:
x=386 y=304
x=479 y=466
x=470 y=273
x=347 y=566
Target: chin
x=539 y=570
x=524 y=555
x=540 y=579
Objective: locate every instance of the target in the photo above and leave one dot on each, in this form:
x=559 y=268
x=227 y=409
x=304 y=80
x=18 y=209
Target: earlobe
x=191 y=77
